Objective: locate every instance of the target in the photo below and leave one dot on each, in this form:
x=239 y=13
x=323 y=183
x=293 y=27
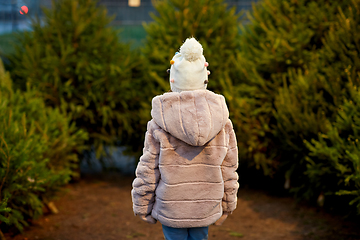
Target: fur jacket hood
x=187 y=176
x=194 y=117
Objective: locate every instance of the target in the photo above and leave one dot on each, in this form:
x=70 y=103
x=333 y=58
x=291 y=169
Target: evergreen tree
x=333 y=164
x=335 y=77
x=37 y=146
x=295 y=63
x=280 y=36
x=209 y=21
x=76 y=60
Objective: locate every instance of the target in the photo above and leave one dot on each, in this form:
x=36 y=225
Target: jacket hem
x=186 y=223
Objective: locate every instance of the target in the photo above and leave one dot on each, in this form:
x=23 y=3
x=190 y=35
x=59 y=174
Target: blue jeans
x=199 y=233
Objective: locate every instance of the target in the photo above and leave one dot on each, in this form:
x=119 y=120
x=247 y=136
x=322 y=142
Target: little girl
x=186 y=178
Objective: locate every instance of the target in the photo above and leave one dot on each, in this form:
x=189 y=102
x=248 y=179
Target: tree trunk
x=2 y=237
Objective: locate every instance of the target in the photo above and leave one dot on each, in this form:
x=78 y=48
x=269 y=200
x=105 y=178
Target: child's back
x=186 y=177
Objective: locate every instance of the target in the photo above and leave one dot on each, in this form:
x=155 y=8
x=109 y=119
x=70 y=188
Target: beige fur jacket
x=187 y=176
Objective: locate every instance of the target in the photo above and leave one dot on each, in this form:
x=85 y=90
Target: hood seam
x=210 y=115
x=222 y=107
x=182 y=117
x=162 y=113
x=197 y=121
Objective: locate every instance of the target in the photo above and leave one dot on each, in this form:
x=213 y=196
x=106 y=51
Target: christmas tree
x=37 y=146
x=295 y=63
x=209 y=21
x=77 y=62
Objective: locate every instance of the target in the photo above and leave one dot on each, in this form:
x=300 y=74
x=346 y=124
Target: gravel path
x=100 y=208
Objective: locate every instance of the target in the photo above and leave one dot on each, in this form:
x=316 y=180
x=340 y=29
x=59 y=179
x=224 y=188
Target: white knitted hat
x=188 y=68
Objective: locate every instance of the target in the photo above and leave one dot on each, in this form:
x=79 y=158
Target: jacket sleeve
x=147 y=174
x=228 y=168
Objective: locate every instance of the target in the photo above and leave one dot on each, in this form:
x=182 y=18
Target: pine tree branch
x=7 y=167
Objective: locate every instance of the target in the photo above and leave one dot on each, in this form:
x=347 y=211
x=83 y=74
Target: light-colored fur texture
x=187 y=176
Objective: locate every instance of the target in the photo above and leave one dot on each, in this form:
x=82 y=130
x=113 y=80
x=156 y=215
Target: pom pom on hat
x=191 y=50
x=188 y=68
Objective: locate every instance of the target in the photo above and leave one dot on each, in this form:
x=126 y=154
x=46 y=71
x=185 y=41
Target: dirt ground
x=100 y=208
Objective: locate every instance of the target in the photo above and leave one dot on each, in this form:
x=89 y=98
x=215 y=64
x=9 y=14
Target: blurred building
x=126 y=12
